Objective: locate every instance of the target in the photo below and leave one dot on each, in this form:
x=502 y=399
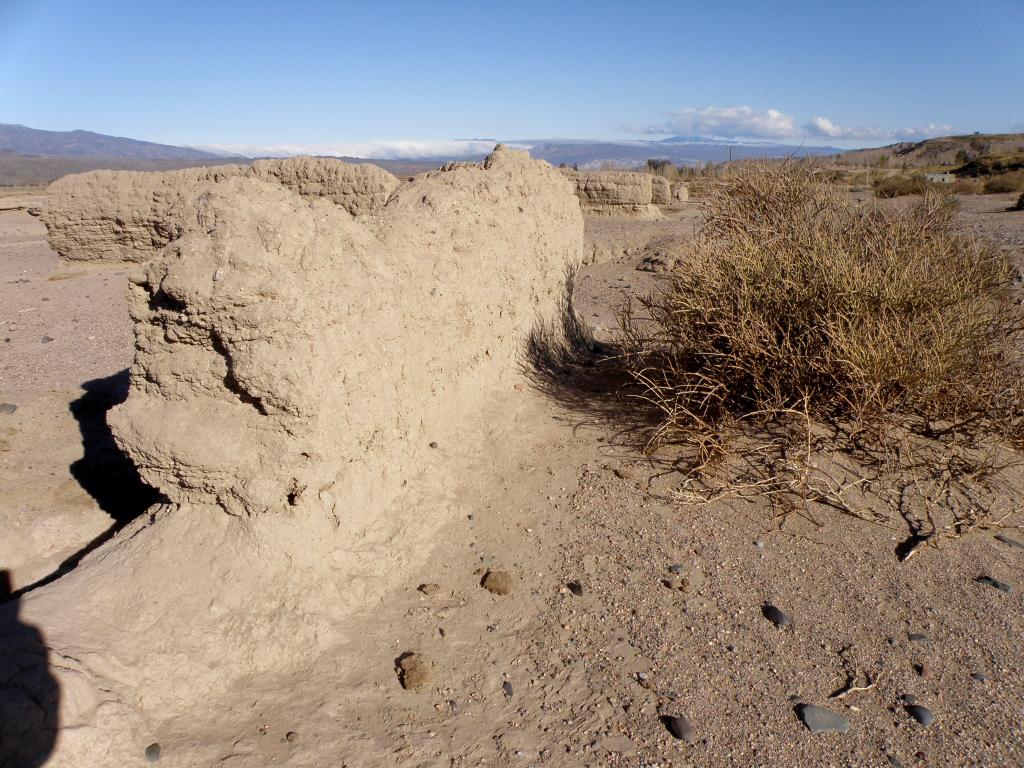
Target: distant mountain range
x=22 y=140
x=681 y=150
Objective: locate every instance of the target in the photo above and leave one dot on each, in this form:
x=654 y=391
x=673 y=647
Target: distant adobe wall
x=131 y=215
x=356 y=187
x=122 y=215
x=615 y=193
x=661 y=190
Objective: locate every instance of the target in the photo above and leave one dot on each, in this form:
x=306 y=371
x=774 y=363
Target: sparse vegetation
x=967 y=187
x=990 y=165
x=900 y=186
x=882 y=331
x=1005 y=182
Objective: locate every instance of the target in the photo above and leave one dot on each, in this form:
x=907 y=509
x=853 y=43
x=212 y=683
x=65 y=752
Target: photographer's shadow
x=29 y=694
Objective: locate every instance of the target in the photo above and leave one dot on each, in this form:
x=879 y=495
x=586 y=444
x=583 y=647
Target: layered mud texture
x=358 y=188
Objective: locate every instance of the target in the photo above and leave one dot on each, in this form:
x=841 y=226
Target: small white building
x=940 y=178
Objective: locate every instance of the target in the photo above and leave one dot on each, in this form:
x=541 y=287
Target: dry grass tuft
x=880 y=331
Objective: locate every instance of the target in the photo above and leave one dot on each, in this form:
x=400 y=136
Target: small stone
x=291 y=736
x=153 y=752
x=917 y=637
x=429 y=589
x=218 y=275
x=909 y=698
x=680 y=727
x=1011 y=542
x=506 y=688
x=676 y=569
x=1002 y=586
x=923 y=715
x=775 y=616
x=576 y=588
x=821 y=720
x=759 y=543
x=624 y=473
x=979 y=677
x=891 y=641
x=8 y=408
x=47 y=339
x=433 y=444
x=414 y=671
x=497 y=582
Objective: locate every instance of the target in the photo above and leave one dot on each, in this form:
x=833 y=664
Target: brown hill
x=947 y=150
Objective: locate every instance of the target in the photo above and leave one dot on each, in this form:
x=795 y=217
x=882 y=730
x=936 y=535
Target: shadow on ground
x=29 y=694
x=104 y=472
x=590 y=381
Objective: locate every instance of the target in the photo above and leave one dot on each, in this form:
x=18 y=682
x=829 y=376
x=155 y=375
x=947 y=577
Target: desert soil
x=626 y=607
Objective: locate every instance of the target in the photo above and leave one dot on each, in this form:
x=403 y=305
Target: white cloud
x=822 y=127
x=728 y=123
x=380 y=150
x=743 y=122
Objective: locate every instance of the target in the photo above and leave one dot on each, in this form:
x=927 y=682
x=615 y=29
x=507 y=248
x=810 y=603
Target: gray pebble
x=680 y=727
x=909 y=698
x=1002 y=586
x=759 y=544
x=433 y=444
x=576 y=588
x=153 y=752
x=821 y=720
x=506 y=688
x=775 y=616
x=8 y=408
x=917 y=637
x=923 y=715
x=676 y=569
x=979 y=677
x=47 y=339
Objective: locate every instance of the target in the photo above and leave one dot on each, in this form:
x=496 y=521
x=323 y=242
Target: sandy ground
x=548 y=674
x=65 y=335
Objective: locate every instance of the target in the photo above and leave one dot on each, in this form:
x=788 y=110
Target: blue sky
x=321 y=75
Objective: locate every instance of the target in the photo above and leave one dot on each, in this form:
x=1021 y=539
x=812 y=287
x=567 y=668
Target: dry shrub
x=1005 y=182
x=968 y=187
x=802 y=314
x=900 y=186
